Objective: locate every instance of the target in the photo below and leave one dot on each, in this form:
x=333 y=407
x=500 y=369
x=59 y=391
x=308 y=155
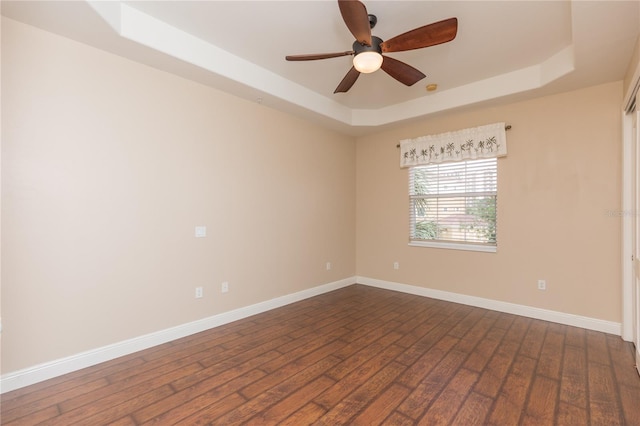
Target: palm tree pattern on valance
x=468 y=144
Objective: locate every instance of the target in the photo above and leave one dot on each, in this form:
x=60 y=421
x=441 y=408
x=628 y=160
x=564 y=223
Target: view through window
x=454 y=203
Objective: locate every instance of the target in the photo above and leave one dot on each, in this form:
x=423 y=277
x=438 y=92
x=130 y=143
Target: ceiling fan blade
x=314 y=56
x=355 y=16
x=348 y=80
x=429 y=35
x=404 y=73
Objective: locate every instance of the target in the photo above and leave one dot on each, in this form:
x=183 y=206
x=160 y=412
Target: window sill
x=454 y=246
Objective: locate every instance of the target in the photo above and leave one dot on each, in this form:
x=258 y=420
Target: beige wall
x=560 y=179
x=107 y=166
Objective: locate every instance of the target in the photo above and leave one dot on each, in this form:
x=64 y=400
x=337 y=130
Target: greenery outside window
x=453 y=205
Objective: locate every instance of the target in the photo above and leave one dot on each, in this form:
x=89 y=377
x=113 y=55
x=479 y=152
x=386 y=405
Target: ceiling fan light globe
x=367 y=62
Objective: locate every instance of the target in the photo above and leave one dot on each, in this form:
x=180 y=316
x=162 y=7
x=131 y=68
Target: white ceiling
x=504 y=50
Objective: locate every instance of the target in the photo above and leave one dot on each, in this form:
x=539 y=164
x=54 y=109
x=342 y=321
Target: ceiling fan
x=368 y=49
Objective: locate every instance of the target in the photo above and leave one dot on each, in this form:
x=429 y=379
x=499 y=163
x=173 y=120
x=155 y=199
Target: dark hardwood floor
x=361 y=356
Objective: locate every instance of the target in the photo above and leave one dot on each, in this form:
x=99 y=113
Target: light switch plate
x=201 y=231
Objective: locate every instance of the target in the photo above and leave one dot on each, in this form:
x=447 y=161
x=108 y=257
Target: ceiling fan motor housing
x=375 y=46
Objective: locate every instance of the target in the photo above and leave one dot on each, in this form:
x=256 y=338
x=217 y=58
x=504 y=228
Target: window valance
x=468 y=144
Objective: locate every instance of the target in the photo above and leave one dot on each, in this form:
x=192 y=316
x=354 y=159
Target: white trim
x=496 y=305
x=454 y=246
x=627 y=227
x=48 y=370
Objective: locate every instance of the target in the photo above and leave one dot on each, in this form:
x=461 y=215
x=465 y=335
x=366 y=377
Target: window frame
x=489 y=247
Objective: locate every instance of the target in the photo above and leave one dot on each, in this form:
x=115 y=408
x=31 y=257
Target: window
x=453 y=205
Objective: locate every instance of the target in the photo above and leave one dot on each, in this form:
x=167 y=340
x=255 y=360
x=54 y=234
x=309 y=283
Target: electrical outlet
x=542 y=285
x=396 y=265
x=199 y=293
x=224 y=287
x=328 y=266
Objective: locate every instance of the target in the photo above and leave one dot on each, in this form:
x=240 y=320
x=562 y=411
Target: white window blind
x=454 y=202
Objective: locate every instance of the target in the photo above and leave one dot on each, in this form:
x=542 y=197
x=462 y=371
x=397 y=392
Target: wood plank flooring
x=357 y=356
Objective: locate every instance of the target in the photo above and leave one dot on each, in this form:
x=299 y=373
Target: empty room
x=320 y=212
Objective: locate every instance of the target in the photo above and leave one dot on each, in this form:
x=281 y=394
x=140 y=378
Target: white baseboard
x=48 y=370
x=496 y=305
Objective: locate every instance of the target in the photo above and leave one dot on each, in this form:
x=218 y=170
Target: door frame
x=628 y=206
x=628 y=209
